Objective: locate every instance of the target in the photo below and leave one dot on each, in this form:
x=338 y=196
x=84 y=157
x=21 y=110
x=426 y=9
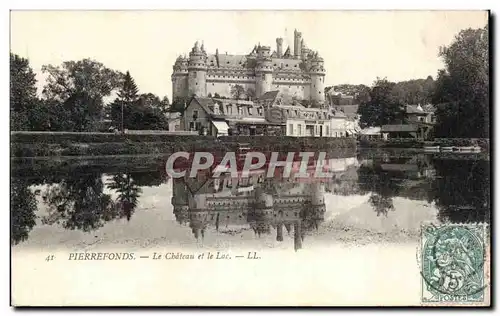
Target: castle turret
x=297 y=236
x=198 y=221
x=279 y=232
x=180 y=78
x=314 y=214
x=303 y=50
x=263 y=70
x=197 y=69
x=279 y=47
x=297 y=44
x=180 y=200
x=264 y=205
x=317 y=73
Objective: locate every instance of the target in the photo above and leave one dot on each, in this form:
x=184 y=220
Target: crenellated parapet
x=297 y=71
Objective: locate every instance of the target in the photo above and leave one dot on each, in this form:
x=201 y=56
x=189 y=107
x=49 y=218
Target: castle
x=297 y=74
x=218 y=202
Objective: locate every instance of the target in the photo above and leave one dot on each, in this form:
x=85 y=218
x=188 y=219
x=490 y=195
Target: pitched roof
x=370 y=131
x=205 y=103
x=227 y=60
x=287 y=53
x=351 y=111
x=269 y=96
x=339 y=114
x=414 y=109
x=429 y=108
x=418 y=109
x=399 y=128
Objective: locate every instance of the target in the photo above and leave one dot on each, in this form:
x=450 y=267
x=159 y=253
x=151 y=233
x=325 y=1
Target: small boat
x=446 y=149
x=431 y=148
x=468 y=149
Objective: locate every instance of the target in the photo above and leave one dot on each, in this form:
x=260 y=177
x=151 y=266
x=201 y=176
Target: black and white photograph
x=250 y=158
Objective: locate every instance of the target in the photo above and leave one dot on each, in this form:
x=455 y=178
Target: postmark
x=452 y=263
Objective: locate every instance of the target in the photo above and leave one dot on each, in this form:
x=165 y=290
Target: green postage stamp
x=452 y=262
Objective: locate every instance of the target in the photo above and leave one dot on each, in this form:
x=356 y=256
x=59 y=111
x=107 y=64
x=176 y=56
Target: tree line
x=460 y=93
x=74 y=99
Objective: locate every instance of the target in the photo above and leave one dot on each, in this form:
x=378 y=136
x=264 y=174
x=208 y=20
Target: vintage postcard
x=250 y=158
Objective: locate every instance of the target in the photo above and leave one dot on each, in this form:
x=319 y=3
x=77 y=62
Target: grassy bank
x=100 y=144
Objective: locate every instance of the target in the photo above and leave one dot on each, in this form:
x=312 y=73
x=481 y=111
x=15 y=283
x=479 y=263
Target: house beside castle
x=261 y=93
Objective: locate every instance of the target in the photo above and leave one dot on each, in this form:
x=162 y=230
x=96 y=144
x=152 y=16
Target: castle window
x=287 y=65
x=197 y=83
x=212 y=84
x=259 y=110
x=249 y=110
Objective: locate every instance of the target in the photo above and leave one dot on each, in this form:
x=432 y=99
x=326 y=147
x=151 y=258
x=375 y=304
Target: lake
x=372 y=206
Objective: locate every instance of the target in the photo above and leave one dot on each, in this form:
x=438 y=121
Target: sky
x=357 y=46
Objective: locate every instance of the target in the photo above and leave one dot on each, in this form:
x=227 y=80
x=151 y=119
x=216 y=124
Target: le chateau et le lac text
x=204 y=255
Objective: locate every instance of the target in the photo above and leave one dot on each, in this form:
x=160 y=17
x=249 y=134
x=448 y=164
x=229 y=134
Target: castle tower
x=317 y=73
x=297 y=44
x=180 y=200
x=315 y=213
x=279 y=47
x=297 y=236
x=303 y=50
x=264 y=205
x=180 y=78
x=263 y=71
x=198 y=222
x=279 y=232
x=197 y=71
x=317 y=194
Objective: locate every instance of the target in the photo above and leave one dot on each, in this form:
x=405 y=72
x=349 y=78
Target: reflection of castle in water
x=264 y=204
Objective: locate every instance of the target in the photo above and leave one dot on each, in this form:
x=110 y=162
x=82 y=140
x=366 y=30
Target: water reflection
x=86 y=196
x=78 y=202
x=264 y=204
x=22 y=210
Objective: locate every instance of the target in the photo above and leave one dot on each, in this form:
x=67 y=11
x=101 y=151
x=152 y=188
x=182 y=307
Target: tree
x=22 y=92
x=123 y=107
x=179 y=104
x=78 y=202
x=81 y=83
x=128 y=193
x=82 y=111
x=237 y=91
x=251 y=93
x=462 y=88
x=86 y=75
x=153 y=101
x=385 y=105
x=23 y=206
